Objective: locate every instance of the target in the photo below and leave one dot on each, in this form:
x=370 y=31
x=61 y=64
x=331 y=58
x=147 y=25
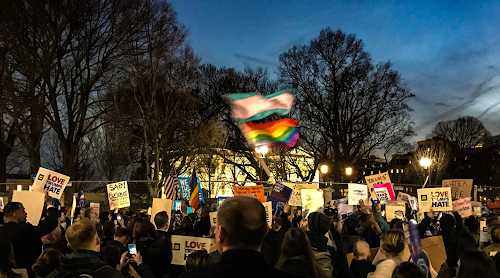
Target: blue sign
x=177 y=206
x=186 y=190
x=220 y=200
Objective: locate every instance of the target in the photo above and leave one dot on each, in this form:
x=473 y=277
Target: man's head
x=241 y=223
x=122 y=235
x=447 y=222
x=52 y=237
x=14 y=212
x=361 y=250
x=162 y=221
x=83 y=236
x=495 y=234
x=492 y=222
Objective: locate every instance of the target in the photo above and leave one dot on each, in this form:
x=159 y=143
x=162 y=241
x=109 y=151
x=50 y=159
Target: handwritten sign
x=463 y=206
x=182 y=246
x=384 y=192
x=160 y=205
x=268 y=206
x=1 y=203
x=403 y=197
x=32 y=202
x=312 y=201
x=413 y=203
x=381 y=178
x=220 y=200
x=344 y=208
x=296 y=196
x=279 y=197
x=213 y=218
x=94 y=208
x=256 y=191
x=357 y=192
x=51 y=182
x=395 y=209
x=118 y=196
x=460 y=188
x=437 y=199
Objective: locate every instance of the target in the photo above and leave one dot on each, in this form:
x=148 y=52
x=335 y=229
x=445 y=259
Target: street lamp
x=348 y=171
x=426 y=163
x=323 y=169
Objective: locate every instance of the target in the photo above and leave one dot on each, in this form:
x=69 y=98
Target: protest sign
x=460 y=188
x=295 y=197
x=182 y=246
x=463 y=206
x=279 y=197
x=268 y=206
x=213 y=218
x=395 y=209
x=483 y=233
x=94 y=208
x=312 y=201
x=21 y=272
x=178 y=204
x=220 y=200
x=437 y=199
x=184 y=187
x=160 y=205
x=376 y=179
x=477 y=211
x=403 y=197
x=344 y=208
x=413 y=203
x=357 y=192
x=33 y=204
x=327 y=195
x=1 y=203
x=50 y=182
x=384 y=192
x=118 y=195
x=256 y=191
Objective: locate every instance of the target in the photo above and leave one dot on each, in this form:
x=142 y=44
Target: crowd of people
x=242 y=243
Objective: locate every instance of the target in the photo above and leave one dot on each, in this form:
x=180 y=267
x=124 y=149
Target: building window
x=401 y=171
x=363 y=173
x=392 y=171
x=371 y=173
x=397 y=171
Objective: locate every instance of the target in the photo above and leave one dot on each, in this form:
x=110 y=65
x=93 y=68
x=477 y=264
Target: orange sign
x=256 y=191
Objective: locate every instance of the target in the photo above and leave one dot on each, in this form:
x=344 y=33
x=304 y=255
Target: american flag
x=171 y=185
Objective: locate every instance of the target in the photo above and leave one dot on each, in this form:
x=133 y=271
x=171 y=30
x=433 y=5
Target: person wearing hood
x=271 y=246
x=319 y=225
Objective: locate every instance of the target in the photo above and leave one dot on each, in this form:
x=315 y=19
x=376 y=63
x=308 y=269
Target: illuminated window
x=397 y=171
x=401 y=171
x=392 y=171
x=363 y=172
x=371 y=173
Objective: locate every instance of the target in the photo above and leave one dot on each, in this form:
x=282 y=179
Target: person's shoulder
x=106 y=271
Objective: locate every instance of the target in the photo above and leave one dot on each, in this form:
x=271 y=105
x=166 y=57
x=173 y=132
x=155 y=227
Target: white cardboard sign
x=268 y=206
x=213 y=218
x=32 y=202
x=357 y=192
x=312 y=201
x=182 y=246
x=437 y=199
x=118 y=195
x=1 y=203
x=483 y=234
x=51 y=182
x=395 y=209
x=160 y=205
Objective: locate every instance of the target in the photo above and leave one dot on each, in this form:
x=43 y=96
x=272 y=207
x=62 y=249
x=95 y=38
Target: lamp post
x=262 y=150
x=348 y=171
x=426 y=163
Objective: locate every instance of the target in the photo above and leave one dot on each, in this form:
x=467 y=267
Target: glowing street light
x=324 y=169
x=425 y=162
x=262 y=150
x=348 y=171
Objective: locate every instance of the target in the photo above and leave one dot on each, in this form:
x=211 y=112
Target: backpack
x=324 y=261
x=82 y=273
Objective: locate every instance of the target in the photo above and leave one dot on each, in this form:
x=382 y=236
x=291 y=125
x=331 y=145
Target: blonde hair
x=393 y=242
x=81 y=234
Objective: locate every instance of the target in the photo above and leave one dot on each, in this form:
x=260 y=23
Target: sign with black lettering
x=51 y=182
x=118 y=195
x=182 y=246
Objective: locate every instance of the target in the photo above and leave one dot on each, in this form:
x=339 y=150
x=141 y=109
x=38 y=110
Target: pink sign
x=384 y=191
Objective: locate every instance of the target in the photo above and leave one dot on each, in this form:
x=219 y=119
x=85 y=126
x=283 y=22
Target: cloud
x=255 y=60
x=442 y=104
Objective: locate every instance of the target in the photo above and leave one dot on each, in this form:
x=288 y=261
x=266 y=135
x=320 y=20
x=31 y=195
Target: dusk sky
x=447 y=52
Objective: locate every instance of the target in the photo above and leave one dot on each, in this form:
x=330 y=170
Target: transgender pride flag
x=246 y=107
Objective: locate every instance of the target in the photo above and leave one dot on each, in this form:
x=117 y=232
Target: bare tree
x=466 y=131
x=442 y=154
x=348 y=106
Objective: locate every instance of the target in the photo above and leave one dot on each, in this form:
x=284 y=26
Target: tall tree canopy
x=466 y=131
x=348 y=106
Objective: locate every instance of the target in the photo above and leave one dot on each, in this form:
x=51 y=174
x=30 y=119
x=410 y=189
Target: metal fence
x=140 y=196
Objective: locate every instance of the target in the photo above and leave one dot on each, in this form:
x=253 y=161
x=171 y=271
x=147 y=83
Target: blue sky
x=448 y=52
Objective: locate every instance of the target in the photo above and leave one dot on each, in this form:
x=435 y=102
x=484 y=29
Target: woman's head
x=143 y=228
x=393 y=242
x=296 y=243
x=367 y=222
x=47 y=262
x=198 y=258
x=349 y=228
x=474 y=263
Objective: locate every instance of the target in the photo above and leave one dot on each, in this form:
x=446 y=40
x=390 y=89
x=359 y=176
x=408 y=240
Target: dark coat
x=123 y=249
x=86 y=260
x=339 y=261
x=271 y=247
x=25 y=238
x=239 y=263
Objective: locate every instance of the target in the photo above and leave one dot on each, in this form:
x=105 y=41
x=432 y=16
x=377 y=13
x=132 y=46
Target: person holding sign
x=26 y=238
x=240 y=230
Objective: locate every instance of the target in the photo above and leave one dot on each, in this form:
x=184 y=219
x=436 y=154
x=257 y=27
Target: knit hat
x=318 y=223
x=5 y=248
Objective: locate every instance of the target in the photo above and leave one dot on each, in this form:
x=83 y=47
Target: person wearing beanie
x=7 y=262
x=319 y=225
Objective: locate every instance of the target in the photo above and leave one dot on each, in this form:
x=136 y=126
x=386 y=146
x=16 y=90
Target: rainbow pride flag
x=280 y=133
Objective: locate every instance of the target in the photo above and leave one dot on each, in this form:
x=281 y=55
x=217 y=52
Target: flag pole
x=264 y=166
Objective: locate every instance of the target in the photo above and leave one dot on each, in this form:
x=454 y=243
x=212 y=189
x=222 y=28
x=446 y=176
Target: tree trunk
x=70 y=159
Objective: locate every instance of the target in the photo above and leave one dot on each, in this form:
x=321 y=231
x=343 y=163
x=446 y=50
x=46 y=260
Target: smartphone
x=118 y=217
x=132 y=249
